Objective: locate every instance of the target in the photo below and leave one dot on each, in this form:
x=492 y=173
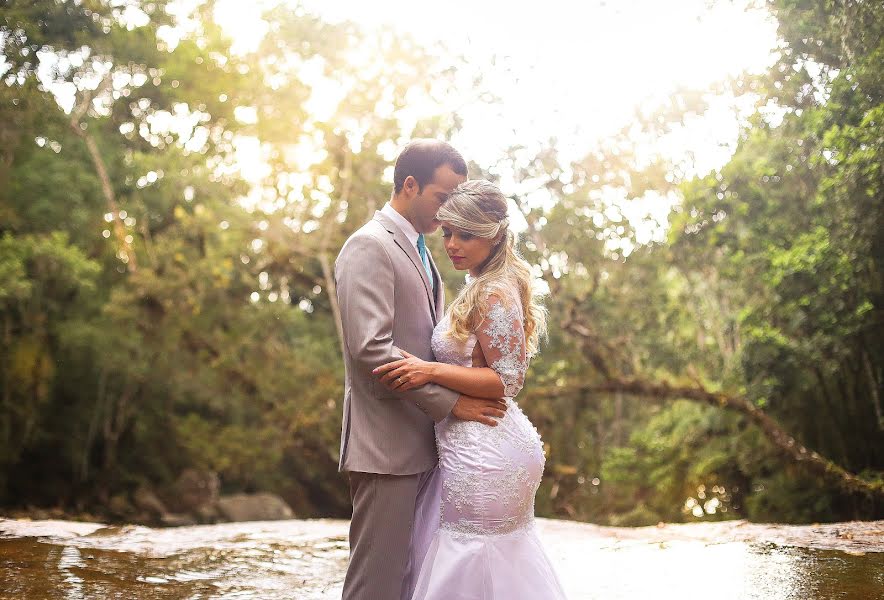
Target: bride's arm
x=501 y=338
x=481 y=382
x=412 y=372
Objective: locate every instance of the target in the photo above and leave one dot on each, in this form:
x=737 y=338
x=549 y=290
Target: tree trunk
x=873 y=388
x=331 y=291
x=83 y=470
x=346 y=182
x=830 y=409
x=106 y=186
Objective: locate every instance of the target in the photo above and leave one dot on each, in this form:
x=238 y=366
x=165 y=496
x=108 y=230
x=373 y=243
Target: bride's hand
x=405 y=374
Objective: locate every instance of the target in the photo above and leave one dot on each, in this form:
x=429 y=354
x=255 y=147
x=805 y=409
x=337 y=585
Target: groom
x=391 y=296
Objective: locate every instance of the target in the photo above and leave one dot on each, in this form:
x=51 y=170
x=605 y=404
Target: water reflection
x=71 y=559
x=307 y=559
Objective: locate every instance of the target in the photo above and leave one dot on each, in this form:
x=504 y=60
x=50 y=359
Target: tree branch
x=785 y=443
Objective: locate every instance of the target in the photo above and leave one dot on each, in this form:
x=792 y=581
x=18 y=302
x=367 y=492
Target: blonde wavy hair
x=479 y=208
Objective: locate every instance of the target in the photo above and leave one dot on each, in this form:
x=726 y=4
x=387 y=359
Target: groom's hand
x=469 y=408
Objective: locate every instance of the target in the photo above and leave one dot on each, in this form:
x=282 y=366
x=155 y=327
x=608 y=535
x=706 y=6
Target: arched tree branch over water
x=662 y=391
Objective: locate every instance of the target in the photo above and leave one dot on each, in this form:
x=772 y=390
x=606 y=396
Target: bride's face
x=466 y=251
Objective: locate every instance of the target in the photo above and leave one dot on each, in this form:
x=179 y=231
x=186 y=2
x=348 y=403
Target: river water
x=307 y=559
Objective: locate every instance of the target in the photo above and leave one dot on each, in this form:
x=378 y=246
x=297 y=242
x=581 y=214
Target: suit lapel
x=411 y=251
x=440 y=289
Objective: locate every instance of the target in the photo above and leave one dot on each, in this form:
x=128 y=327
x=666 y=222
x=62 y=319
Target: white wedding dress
x=486 y=547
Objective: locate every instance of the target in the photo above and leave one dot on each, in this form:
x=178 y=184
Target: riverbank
x=853 y=537
x=307 y=559
x=846 y=536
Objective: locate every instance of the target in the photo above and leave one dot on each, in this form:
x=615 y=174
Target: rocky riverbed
x=49 y=559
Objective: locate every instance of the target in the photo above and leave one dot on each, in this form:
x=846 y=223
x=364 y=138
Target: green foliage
x=183 y=319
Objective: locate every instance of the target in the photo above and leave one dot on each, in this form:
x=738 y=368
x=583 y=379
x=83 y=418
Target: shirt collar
x=403 y=223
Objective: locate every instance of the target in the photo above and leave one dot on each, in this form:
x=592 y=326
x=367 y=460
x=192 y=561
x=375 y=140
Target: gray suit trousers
x=394 y=518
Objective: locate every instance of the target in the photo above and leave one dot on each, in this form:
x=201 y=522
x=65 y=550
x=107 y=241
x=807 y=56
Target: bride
x=486 y=546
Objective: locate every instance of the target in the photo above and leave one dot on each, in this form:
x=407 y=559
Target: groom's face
x=427 y=202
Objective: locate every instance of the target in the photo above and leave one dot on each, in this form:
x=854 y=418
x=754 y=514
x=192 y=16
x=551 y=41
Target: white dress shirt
x=403 y=223
x=409 y=231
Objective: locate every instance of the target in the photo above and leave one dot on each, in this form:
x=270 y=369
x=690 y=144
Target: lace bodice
x=501 y=336
x=490 y=474
x=447 y=349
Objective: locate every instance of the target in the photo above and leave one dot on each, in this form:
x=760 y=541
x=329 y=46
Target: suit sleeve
x=365 y=281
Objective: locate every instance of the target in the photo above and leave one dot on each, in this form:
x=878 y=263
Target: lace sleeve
x=502 y=338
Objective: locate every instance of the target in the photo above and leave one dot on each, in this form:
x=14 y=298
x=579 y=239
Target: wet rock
x=37 y=513
x=209 y=513
x=119 y=506
x=177 y=519
x=262 y=506
x=145 y=518
x=148 y=502
x=193 y=493
x=57 y=512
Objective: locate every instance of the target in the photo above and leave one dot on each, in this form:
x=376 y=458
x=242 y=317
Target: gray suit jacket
x=386 y=300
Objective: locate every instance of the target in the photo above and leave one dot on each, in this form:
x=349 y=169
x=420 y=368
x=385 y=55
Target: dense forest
x=159 y=313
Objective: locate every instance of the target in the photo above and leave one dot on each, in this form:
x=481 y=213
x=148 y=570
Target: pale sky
x=582 y=67
x=577 y=70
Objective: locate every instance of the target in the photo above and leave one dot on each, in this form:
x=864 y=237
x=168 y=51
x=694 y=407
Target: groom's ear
x=411 y=186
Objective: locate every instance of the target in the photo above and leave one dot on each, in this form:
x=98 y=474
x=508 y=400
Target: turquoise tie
x=422 y=250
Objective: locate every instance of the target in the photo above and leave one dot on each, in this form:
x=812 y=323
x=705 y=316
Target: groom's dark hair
x=420 y=159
